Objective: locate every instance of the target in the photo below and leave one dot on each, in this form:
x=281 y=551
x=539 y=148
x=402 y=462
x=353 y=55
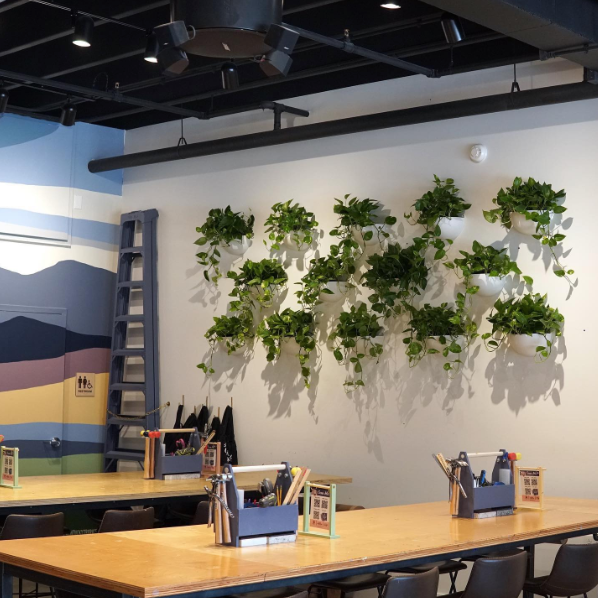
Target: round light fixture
x=390 y=5
x=83 y=31
x=68 y=115
x=230 y=77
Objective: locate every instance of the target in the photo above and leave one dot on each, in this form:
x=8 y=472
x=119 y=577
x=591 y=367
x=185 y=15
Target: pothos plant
x=537 y=202
x=233 y=331
x=259 y=281
x=396 y=277
x=354 y=216
x=290 y=219
x=443 y=201
x=289 y=324
x=529 y=314
x=322 y=271
x=353 y=339
x=444 y=324
x=220 y=229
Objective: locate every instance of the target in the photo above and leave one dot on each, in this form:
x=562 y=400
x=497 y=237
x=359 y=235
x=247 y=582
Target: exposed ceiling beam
x=6 y=6
x=314 y=72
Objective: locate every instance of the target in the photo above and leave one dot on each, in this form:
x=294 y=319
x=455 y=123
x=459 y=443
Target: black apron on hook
x=226 y=436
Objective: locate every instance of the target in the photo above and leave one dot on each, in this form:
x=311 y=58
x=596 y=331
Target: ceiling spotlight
x=68 y=115
x=451 y=29
x=276 y=63
x=170 y=37
x=151 y=49
x=390 y=5
x=172 y=61
x=3 y=100
x=83 y=31
x=230 y=76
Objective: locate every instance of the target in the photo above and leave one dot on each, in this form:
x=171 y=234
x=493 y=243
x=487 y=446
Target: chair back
x=127 y=521
x=20 y=527
x=420 y=585
x=575 y=570
x=497 y=577
x=202 y=513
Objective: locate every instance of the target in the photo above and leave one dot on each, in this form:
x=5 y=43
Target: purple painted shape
x=30 y=374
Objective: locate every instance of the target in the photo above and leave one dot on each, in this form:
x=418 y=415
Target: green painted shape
x=92 y=463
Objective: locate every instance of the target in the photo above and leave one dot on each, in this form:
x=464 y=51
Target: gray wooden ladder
x=135 y=222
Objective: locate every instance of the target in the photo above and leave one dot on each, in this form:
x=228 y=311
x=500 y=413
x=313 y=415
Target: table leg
x=5 y=583
x=531 y=555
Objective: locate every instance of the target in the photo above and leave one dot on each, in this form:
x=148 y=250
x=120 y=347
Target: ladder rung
x=128 y=353
x=127 y=421
x=126 y=250
x=131 y=318
x=128 y=386
x=131 y=284
x=129 y=455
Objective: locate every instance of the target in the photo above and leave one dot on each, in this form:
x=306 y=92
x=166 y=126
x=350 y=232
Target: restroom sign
x=85 y=385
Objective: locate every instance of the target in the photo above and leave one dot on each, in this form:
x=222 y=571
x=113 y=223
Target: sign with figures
x=319 y=511
x=9 y=467
x=529 y=487
x=85 y=385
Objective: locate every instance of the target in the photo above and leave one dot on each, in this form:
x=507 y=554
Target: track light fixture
x=151 y=49
x=451 y=29
x=83 y=31
x=68 y=115
x=230 y=76
x=3 y=100
x=170 y=37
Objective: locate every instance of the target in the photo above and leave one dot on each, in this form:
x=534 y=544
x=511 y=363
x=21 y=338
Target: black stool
x=575 y=572
x=450 y=568
x=422 y=585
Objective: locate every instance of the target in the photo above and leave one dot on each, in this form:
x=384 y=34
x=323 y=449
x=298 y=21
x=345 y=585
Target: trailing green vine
x=220 y=229
x=443 y=324
x=396 y=277
x=353 y=341
x=293 y=220
x=322 y=271
x=526 y=315
x=536 y=201
x=257 y=281
x=279 y=328
x=233 y=331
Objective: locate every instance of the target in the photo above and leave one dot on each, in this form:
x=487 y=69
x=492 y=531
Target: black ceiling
x=36 y=40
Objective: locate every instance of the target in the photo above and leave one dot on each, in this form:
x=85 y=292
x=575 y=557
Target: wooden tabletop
x=177 y=560
x=90 y=488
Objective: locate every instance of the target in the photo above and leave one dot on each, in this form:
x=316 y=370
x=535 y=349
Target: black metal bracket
x=279 y=109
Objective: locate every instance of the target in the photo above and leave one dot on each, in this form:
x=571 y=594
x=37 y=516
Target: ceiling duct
x=566 y=28
x=227 y=28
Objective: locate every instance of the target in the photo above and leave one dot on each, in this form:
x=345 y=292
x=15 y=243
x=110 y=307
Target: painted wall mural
x=58 y=251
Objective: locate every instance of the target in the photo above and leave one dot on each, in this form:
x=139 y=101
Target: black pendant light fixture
x=83 y=31
x=230 y=76
x=151 y=49
x=3 y=100
x=451 y=29
x=68 y=115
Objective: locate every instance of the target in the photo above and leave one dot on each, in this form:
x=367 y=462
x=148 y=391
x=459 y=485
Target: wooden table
x=110 y=490
x=185 y=560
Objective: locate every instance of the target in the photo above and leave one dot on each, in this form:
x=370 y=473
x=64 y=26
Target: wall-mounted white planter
x=375 y=230
x=522 y=225
x=289 y=242
x=339 y=291
x=236 y=246
x=489 y=285
x=433 y=342
x=363 y=345
x=289 y=346
x=451 y=228
x=525 y=344
x=240 y=352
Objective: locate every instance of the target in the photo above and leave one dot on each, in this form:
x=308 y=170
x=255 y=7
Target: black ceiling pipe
x=372 y=122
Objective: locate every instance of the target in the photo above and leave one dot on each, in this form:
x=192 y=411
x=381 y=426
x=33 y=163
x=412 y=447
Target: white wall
x=384 y=437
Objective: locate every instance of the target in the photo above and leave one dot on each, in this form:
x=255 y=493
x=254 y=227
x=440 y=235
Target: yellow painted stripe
x=55 y=403
x=86 y=410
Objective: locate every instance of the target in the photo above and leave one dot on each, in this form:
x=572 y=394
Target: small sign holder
x=529 y=487
x=9 y=467
x=211 y=461
x=319 y=510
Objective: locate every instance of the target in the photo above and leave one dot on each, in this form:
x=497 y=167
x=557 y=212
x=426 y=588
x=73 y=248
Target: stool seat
x=355 y=583
x=531 y=585
x=276 y=593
